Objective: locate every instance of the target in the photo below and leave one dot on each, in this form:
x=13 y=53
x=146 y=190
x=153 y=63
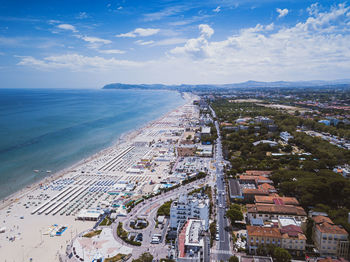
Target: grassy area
x=164 y=210
x=116 y=258
x=106 y=222
x=123 y=234
x=93 y=233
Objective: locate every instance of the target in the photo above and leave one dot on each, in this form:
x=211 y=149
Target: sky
x=87 y=44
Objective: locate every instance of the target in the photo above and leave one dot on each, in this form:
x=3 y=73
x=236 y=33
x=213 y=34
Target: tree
x=233 y=259
x=145 y=257
x=234 y=214
x=281 y=255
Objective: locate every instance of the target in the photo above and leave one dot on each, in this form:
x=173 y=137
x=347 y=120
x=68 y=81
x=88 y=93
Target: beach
x=32 y=216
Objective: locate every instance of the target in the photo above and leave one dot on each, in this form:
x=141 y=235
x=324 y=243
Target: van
x=155 y=240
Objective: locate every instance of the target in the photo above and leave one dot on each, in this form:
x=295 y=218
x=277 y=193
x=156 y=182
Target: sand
x=26 y=235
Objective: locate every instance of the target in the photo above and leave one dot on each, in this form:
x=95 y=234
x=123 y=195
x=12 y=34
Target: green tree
x=233 y=259
x=234 y=214
x=281 y=255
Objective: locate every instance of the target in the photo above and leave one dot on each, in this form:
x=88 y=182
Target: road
x=223 y=251
x=148 y=210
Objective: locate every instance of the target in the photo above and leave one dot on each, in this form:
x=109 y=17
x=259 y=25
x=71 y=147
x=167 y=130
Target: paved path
x=148 y=209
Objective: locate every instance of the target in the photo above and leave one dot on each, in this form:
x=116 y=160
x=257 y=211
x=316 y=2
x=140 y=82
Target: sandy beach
x=31 y=216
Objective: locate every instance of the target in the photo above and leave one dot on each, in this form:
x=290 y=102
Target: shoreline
x=122 y=138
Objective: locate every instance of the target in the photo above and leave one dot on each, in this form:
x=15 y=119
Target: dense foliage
x=164 y=210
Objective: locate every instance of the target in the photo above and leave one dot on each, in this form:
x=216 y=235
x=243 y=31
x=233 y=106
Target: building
x=249 y=194
x=262 y=236
x=90 y=214
x=234 y=189
x=194 y=206
x=193 y=243
x=277 y=200
x=285 y=136
x=205 y=130
x=289 y=237
x=330 y=239
x=264 y=120
x=268 y=142
x=205 y=150
x=274 y=211
x=293 y=239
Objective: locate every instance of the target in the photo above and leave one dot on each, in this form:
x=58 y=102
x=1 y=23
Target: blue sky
x=86 y=44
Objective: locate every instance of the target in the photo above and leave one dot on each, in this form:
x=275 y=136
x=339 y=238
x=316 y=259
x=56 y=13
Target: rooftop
x=277 y=200
x=276 y=209
x=259 y=231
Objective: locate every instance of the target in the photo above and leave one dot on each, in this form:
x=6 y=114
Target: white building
x=285 y=136
x=194 y=206
x=193 y=244
x=205 y=130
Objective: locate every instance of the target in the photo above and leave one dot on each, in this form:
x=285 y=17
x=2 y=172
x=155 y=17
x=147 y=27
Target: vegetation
x=234 y=213
x=140 y=226
x=277 y=253
x=325 y=191
x=106 y=222
x=212 y=230
x=123 y=234
x=200 y=175
x=93 y=233
x=118 y=257
x=233 y=259
x=164 y=210
x=145 y=257
x=309 y=178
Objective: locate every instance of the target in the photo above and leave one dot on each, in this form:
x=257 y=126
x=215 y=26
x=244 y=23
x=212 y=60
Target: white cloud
x=111 y=51
x=141 y=42
x=76 y=62
x=196 y=46
x=316 y=48
x=67 y=27
x=170 y=41
x=261 y=52
x=282 y=12
x=120 y=8
x=52 y=21
x=313 y=9
x=95 y=40
x=140 y=32
x=206 y=30
x=217 y=9
x=169 y=11
x=82 y=15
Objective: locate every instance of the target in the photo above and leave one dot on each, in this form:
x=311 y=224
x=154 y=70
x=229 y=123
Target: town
x=222 y=178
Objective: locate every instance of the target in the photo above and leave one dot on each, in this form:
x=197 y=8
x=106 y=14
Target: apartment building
x=289 y=237
x=193 y=243
x=274 y=211
x=262 y=236
x=330 y=239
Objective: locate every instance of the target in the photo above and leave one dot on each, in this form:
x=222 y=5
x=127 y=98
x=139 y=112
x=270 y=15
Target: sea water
x=51 y=129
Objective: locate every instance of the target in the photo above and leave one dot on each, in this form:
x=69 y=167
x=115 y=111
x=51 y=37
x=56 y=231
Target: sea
x=51 y=129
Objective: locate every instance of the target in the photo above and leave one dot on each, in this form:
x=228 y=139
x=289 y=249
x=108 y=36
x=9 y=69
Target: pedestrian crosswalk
x=223 y=252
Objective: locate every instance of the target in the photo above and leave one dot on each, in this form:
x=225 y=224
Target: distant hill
x=248 y=84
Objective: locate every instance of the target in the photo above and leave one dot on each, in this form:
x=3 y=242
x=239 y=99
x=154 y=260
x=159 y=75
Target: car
x=220 y=206
x=217 y=237
x=139 y=237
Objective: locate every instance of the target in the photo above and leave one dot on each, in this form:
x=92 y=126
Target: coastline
x=128 y=135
